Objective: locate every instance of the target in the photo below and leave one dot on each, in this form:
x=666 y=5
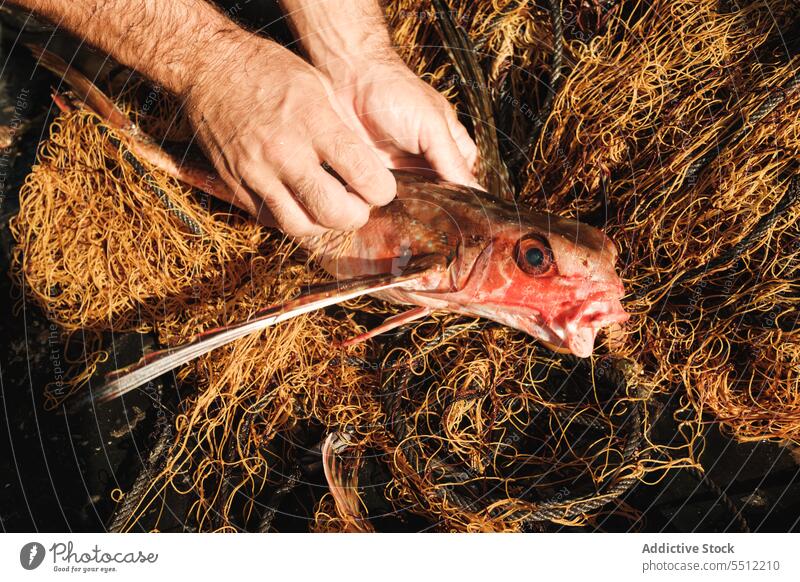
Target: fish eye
x=533 y=254
x=534 y=257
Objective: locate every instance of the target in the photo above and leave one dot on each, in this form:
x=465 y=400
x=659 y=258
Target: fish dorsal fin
x=473 y=86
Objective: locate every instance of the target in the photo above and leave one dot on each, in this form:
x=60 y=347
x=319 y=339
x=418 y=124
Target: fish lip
x=601 y=313
x=571 y=333
x=579 y=330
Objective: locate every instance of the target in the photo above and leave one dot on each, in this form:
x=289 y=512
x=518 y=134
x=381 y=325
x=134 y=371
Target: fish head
x=549 y=276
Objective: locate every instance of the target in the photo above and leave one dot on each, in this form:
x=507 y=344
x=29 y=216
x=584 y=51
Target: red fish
x=437 y=246
x=551 y=277
x=442 y=246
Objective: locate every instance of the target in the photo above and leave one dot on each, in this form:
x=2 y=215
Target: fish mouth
x=573 y=329
x=576 y=330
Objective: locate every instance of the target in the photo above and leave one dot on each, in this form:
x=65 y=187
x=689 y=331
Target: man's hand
x=266 y=120
x=407 y=122
x=264 y=116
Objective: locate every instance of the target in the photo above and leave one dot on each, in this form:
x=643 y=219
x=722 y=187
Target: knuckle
x=278 y=208
x=273 y=152
x=325 y=205
x=309 y=191
x=360 y=169
x=245 y=163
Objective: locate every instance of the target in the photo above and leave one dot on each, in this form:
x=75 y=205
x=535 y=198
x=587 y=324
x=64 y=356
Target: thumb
x=462 y=138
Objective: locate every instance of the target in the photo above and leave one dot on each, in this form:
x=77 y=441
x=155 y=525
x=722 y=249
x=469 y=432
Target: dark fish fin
x=157 y=363
x=493 y=171
x=389 y=324
x=88 y=96
x=84 y=89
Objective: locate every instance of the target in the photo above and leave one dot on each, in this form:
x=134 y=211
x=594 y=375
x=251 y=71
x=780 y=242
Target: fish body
x=437 y=246
x=543 y=274
x=549 y=276
x=443 y=246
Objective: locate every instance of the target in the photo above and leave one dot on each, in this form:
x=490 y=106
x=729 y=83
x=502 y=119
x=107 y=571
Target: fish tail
x=341 y=475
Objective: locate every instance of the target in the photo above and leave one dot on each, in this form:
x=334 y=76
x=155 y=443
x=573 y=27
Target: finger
x=465 y=143
x=274 y=205
x=441 y=151
x=323 y=196
x=358 y=166
x=236 y=193
x=288 y=213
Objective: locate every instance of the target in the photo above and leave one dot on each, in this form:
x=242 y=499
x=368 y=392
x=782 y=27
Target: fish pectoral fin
x=157 y=363
x=389 y=324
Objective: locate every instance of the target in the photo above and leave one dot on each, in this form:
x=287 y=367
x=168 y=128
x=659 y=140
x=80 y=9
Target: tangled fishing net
x=672 y=124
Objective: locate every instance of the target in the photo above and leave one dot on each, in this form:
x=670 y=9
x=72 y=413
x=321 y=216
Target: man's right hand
x=264 y=116
x=267 y=120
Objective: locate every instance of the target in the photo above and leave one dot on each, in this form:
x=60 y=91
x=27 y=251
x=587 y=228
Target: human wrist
x=223 y=60
x=348 y=68
x=345 y=53
x=212 y=56
x=341 y=40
